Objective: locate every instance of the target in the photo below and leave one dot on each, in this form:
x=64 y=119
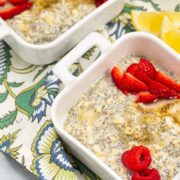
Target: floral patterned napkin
x=27 y=93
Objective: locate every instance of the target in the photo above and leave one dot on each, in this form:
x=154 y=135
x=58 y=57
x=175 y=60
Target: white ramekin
x=47 y=53
x=142 y=44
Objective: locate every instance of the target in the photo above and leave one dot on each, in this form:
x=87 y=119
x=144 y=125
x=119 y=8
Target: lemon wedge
x=166 y=25
x=152 y=21
x=174 y=17
x=147 y=21
x=170 y=33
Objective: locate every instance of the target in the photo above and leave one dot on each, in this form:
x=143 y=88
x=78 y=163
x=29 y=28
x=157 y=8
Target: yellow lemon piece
x=174 y=17
x=152 y=21
x=147 y=21
x=170 y=34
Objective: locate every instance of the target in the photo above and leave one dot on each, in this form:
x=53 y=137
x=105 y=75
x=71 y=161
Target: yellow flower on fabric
x=50 y=160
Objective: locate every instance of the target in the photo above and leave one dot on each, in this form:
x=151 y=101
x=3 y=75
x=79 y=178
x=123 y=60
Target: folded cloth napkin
x=27 y=93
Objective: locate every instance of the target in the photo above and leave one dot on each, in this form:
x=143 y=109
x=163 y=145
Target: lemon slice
x=170 y=34
x=152 y=21
x=147 y=21
x=174 y=17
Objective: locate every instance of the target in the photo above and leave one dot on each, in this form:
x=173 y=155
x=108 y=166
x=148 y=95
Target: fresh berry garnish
x=117 y=75
x=13 y=11
x=132 y=84
x=147 y=67
x=141 y=75
x=162 y=91
x=17 y=2
x=126 y=158
x=2 y=2
x=144 y=70
x=143 y=78
x=167 y=81
x=99 y=2
x=132 y=68
x=127 y=82
x=148 y=174
x=136 y=159
x=146 y=98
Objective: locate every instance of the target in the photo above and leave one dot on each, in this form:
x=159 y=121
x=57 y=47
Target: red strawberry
x=13 y=11
x=149 y=174
x=141 y=75
x=144 y=71
x=132 y=84
x=117 y=75
x=2 y=2
x=17 y=2
x=167 y=81
x=136 y=159
x=162 y=91
x=147 y=67
x=132 y=68
x=146 y=97
x=127 y=82
x=99 y=2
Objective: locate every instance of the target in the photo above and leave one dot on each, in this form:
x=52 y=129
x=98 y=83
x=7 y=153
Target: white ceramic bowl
x=139 y=43
x=47 y=53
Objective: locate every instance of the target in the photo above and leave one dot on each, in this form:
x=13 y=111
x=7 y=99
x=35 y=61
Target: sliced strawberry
x=147 y=67
x=167 y=81
x=117 y=75
x=17 y=2
x=144 y=71
x=2 y=2
x=13 y=11
x=146 y=97
x=132 y=84
x=162 y=91
x=141 y=75
x=132 y=68
x=99 y=2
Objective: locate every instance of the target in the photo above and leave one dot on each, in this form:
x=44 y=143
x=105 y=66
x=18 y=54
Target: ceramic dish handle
x=61 y=68
x=4 y=30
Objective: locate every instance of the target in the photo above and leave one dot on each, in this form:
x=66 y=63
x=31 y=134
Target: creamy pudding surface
x=44 y=22
x=108 y=123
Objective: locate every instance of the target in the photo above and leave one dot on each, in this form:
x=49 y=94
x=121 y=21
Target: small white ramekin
x=47 y=53
x=142 y=44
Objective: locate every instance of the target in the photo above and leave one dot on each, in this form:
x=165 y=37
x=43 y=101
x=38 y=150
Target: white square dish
x=142 y=44
x=47 y=53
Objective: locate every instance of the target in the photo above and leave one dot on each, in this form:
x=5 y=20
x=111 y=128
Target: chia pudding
x=108 y=123
x=43 y=23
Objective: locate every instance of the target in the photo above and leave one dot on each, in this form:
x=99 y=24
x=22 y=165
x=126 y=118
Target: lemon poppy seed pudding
x=109 y=122
x=47 y=20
